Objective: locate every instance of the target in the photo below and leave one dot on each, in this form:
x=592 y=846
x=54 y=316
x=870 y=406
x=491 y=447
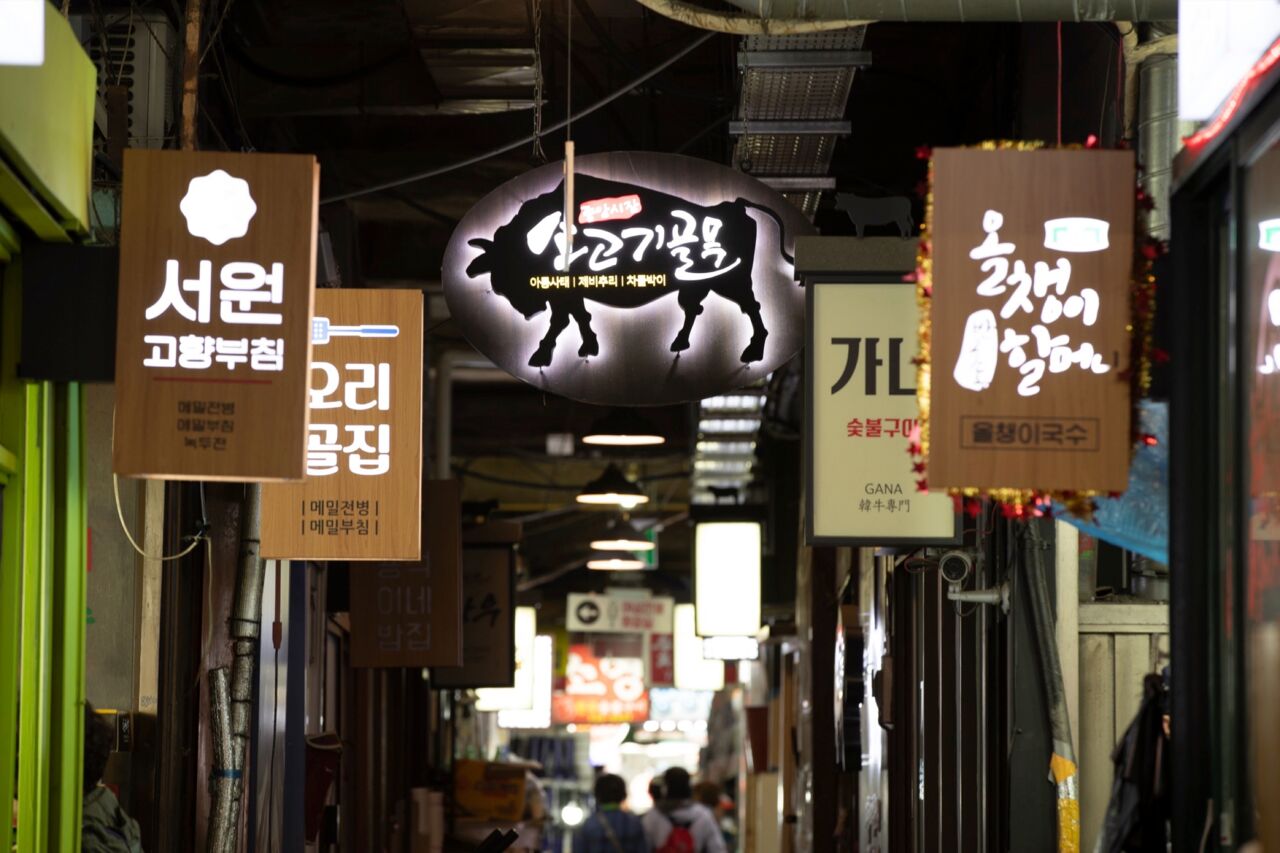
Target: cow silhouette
x=635 y=234
x=862 y=211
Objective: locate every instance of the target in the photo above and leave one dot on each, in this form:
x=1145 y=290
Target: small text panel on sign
x=217 y=266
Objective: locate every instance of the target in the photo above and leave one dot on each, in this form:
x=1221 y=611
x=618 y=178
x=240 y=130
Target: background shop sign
x=864 y=342
x=488 y=616
x=410 y=613
x=617 y=614
x=213 y=345
x=601 y=690
x=488 y=790
x=1032 y=256
x=362 y=497
x=674 y=705
x=680 y=283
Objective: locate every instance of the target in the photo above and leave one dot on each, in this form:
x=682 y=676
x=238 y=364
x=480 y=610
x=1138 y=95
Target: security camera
x=955 y=566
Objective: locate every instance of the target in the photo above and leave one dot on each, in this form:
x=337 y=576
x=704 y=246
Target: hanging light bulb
x=624 y=428
x=614 y=562
x=622 y=536
x=612 y=488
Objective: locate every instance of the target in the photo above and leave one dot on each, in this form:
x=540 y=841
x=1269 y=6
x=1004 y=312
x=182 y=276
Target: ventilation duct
x=967 y=11
x=789 y=17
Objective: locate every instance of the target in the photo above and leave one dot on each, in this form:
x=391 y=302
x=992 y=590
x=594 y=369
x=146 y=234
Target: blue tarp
x=1138 y=520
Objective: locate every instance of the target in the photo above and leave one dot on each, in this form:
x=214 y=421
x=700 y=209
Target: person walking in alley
x=104 y=826
x=678 y=824
x=610 y=829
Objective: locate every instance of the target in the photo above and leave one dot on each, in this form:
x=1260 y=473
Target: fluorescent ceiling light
x=726 y=448
x=624 y=428
x=724 y=466
x=734 y=403
x=728 y=426
x=726 y=572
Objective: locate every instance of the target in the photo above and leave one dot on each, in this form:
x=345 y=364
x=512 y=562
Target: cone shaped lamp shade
x=615 y=562
x=622 y=536
x=624 y=428
x=612 y=488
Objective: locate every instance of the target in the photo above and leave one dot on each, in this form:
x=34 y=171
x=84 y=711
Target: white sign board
x=619 y=614
x=864 y=417
x=22 y=32
x=1218 y=43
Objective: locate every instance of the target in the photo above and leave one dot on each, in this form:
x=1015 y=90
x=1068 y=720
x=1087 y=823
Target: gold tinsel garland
x=1024 y=502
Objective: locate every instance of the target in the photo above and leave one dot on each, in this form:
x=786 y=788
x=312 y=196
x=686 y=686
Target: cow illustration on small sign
x=631 y=245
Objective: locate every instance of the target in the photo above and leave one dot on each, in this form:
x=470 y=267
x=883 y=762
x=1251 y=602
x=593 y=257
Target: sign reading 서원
x=862 y=384
x=1032 y=254
x=217 y=265
x=679 y=282
x=362 y=496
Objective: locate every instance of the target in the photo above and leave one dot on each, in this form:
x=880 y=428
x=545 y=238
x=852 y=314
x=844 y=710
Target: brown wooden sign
x=1032 y=255
x=362 y=497
x=488 y=620
x=217 y=267
x=410 y=614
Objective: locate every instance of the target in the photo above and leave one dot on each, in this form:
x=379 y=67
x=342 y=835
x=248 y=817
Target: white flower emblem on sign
x=218 y=207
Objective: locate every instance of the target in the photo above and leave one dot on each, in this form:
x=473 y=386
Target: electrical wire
x=195 y=540
x=217 y=30
x=1059 y=84
x=526 y=140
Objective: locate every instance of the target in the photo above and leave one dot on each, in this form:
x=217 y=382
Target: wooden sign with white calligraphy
x=362 y=497
x=1032 y=257
x=217 y=271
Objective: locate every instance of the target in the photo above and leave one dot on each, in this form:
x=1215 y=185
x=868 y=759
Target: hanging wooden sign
x=1032 y=254
x=213 y=343
x=863 y=348
x=488 y=620
x=410 y=613
x=679 y=284
x=362 y=497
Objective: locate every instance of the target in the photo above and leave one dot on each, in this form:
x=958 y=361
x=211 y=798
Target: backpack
x=680 y=839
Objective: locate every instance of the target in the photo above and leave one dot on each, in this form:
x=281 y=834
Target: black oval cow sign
x=679 y=282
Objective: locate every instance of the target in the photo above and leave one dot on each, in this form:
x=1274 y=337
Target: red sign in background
x=601 y=690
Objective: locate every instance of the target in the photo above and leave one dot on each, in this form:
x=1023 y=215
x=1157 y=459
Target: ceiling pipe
x=792 y=17
x=741 y=25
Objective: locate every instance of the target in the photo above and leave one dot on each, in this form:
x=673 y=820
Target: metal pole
x=1062 y=764
x=245 y=630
